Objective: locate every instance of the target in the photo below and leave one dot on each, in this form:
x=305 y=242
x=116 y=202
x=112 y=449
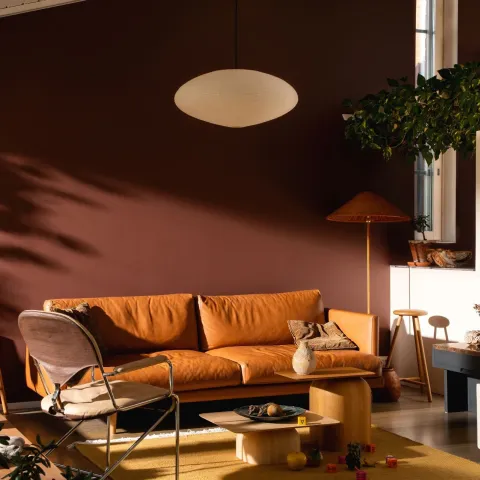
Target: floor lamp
x=367 y=207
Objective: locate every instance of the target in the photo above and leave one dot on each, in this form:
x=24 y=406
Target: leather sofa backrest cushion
x=259 y=319
x=140 y=324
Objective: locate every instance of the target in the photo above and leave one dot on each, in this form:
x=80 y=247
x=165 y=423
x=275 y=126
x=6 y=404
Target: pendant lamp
x=236 y=97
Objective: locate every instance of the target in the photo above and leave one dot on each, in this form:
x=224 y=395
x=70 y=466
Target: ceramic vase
x=304 y=361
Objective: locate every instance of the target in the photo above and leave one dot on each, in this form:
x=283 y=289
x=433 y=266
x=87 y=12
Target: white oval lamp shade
x=236 y=98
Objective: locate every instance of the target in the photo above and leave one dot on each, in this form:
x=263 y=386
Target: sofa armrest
x=361 y=328
x=138 y=365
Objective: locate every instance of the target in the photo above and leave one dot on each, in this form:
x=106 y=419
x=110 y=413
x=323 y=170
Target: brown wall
x=468 y=51
x=107 y=189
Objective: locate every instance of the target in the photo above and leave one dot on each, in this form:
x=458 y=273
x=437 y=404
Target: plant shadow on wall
x=26 y=190
x=98 y=110
x=110 y=126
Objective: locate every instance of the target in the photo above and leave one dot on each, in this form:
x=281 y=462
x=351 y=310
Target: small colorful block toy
x=370 y=447
x=331 y=468
x=302 y=421
x=342 y=460
x=361 y=475
x=392 y=462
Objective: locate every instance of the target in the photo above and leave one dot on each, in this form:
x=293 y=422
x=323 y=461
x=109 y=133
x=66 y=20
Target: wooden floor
x=412 y=417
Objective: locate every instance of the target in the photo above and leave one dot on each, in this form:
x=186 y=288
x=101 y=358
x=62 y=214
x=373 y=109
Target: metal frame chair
x=63 y=348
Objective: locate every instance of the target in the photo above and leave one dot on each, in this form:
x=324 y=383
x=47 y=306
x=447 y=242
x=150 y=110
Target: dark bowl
x=290 y=412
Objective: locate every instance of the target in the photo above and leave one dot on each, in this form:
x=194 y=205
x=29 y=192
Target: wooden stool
x=3 y=396
x=423 y=379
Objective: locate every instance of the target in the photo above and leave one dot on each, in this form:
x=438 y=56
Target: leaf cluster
x=428 y=119
x=30 y=464
x=421 y=223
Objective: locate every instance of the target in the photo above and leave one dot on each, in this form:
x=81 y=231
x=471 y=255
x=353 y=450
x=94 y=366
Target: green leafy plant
x=31 y=462
x=421 y=223
x=439 y=113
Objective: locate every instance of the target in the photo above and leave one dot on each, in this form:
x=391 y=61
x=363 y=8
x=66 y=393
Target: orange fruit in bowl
x=275 y=410
x=296 y=460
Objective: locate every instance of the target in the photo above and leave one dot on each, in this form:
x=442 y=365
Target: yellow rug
x=212 y=457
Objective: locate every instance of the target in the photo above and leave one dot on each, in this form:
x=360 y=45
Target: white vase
x=304 y=361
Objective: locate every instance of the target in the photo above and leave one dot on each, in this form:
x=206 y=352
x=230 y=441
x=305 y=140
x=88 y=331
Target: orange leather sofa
x=221 y=347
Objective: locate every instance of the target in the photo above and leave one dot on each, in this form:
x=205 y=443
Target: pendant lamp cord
x=236 y=33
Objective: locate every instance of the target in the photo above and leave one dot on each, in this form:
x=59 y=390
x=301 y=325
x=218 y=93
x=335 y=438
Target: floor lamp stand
x=368 y=265
x=368 y=207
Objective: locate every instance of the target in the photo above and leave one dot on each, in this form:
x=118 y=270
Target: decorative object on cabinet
x=423 y=378
x=449 y=258
x=472 y=338
x=236 y=97
x=368 y=207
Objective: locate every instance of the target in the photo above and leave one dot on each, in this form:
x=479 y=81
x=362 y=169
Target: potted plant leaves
x=425 y=119
x=420 y=248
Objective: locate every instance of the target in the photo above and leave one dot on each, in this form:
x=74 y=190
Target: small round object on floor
x=296 y=461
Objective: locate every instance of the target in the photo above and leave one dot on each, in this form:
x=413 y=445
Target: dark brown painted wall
x=107 y=189
x=468 y=51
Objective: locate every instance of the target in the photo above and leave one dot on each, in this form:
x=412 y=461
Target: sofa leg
x=113 y=424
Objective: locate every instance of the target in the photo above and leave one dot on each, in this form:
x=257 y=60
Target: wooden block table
x=51 y=473
x=344 y=395
x=266 y=443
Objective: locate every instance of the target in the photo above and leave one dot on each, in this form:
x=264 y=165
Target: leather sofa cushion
x=140 y=324
x=259 y=363
x=192 y=370
x=259 y=319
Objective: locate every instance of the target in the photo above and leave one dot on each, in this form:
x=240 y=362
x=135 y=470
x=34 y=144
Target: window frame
x=444 y=54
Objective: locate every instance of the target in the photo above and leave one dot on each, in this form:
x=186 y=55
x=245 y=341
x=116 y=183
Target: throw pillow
x=326 y=336
x=81 y=313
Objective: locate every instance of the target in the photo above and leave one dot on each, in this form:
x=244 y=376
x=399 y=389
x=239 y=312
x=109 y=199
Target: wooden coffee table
x=342 y=394
x=266 y=443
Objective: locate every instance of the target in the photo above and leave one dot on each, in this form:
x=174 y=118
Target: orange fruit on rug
x=296 y=460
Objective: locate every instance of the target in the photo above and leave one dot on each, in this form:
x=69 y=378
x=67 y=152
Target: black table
x=461 y=364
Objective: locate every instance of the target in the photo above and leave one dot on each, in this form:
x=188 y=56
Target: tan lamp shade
x=368 y=207
x=236 y=98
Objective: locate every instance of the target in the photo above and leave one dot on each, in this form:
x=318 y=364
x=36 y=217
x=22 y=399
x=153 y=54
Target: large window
x=425 y=65
x=436 y=48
